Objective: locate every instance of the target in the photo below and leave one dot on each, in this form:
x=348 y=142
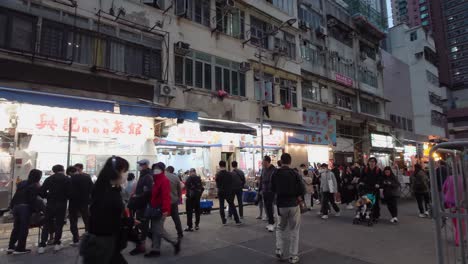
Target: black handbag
x=153 y=213
x=138 y=202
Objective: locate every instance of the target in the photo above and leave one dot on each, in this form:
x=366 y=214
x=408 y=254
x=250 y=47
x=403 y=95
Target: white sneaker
x=294 y=259
x=41 y=250
x=58 y=248
x=270 y=228
x=324 y=217
x=422 y=216
x=264 y=218
x=394 y=220
x=279 y=254
x=350 y=207
x=426 y=213
x=319 y=213
x=337 y=214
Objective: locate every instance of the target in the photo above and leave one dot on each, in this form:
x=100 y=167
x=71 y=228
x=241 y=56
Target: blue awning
x=127 y=108
x=55 y=100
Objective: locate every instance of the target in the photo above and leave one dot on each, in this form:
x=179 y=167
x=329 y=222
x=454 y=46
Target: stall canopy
x=225 y=126
x=293 y=128
x=55 y=100
x=127 y=108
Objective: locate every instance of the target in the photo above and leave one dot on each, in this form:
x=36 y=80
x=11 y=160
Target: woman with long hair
x=391 y=192
x=420 y=187
x=103 y=243
x=348 y=188
x=23 y=204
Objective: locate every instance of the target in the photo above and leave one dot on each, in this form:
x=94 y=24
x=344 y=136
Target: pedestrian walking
x=159 y=209
x=391 y=192
x=309 y=188
x=238 y=186
x=224 y=183
x=328 y=187
x=81 y=187
x=57 y=190
x=420 y=186
x=372 y=179
x=104 y=241
x=348 y=188
x=266 y=191
x=176 y=196
x=22 y=205
x=259 y=200
x=139 y=201
x=289 y=188
x=317 y=195
x=129 y=187
x=194 y=190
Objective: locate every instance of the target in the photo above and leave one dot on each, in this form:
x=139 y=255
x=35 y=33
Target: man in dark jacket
x=288 y=187
x=238 y=184
x=224 y=182
x=371 y=177
x=194 y=187
x=143 y=189
x=56 y=189
x=81 y=187
x=266 y=192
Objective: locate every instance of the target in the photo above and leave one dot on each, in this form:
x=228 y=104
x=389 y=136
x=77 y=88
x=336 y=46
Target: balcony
x=367 y=18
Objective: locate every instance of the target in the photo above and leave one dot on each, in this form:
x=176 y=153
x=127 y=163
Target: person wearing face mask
x=103 y=242
x=143 y=193
x=372 y=178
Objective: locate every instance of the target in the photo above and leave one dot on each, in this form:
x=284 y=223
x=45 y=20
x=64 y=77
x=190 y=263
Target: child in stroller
x=365 y=205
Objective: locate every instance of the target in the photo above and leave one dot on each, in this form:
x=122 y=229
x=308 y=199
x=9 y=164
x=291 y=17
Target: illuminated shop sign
x=382 y=141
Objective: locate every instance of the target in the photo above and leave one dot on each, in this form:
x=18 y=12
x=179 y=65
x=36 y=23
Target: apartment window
x=369 y=107
x=436 y=99
x=17 y=31
x=368 y=77
x=423 y=8
x=413 y=36
x=424 y=15
x=310 y=53
x=341 y=35
x=195 y=10
x=155 y=3
x=343 y=100
x=438 y=118
x=285 y=5
x=311 y=90
x=230 y=22
x=54 y=40
x=425 y=23
x=288 y=92
x=403 y=123
x=393 y=118
x=341 y=65
x=258 y=32
x=197 y=68
x=410 y=124
x=264 y=88
x=432 y=78
x=287 y=41
x=422 y=1
x=312 y=19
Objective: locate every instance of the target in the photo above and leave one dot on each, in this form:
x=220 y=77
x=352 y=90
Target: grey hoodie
x=326 y=176
x=176 y=187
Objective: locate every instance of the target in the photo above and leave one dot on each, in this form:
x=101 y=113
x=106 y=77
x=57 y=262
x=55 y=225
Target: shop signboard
x=343 y=79
x=410 y=150
x=323 y=129
x=382 y=141
x=42 y=120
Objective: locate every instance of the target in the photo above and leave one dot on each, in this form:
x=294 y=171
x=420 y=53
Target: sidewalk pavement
x=328 y=242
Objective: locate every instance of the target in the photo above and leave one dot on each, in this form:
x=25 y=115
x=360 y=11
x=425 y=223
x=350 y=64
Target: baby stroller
x=365 y=205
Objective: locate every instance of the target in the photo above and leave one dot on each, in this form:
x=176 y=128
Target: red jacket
x=161 y=193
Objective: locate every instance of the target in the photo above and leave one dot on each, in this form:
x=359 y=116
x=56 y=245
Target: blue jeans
x=22 y=215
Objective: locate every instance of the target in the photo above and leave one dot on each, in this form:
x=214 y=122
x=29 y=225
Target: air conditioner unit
x=321 y=31
x=244 y=67
x=181 y=48
x=277 y=80
x=167 y=90
x=363 y=55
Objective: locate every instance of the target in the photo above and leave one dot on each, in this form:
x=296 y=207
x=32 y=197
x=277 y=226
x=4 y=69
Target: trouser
x=144 y=226
x=229 y=197
x=175 y=217
x=327 y=198
x=73 y=211
x=54 y=215
x=289 y=222
x=19 y=233
x=104 y=251
x=268 y=199
x=424 y=201
x=192 y=205
x=308 y=200
x=261 y=207
x=238 y=194
x=392 y=205
x=157 y=228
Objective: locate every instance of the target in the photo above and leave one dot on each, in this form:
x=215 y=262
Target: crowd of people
x=119 y=208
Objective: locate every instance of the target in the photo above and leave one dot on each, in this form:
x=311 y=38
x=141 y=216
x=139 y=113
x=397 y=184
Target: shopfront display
x=382 y=148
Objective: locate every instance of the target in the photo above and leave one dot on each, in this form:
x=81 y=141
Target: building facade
x=411 y=12
x=450 y=26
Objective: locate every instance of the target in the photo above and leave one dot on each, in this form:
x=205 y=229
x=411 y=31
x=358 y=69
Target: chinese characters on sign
x=343 y=79
x=48 y=121
x=323 y=129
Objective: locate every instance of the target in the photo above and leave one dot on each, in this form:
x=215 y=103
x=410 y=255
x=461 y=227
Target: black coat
x=81 y=187
x=391 y=186
x=56 y=189
x=224 y=181
x=371 y=178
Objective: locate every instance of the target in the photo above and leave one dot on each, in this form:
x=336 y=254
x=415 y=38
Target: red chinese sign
x=42 y=120
x=343 y=79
